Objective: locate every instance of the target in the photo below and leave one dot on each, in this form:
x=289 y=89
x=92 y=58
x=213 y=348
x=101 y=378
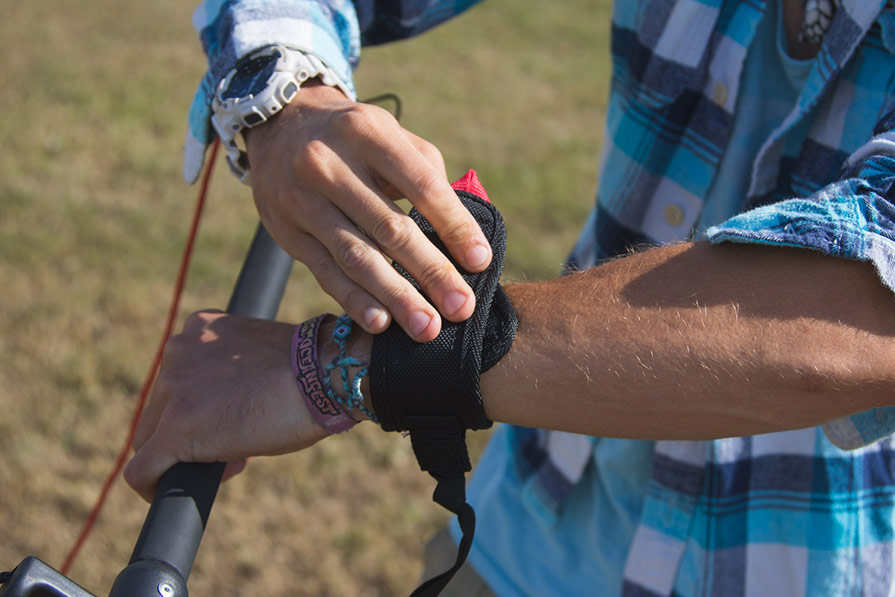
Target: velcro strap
x=439 y=444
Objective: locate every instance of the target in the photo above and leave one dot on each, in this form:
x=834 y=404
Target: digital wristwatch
x=257 y=89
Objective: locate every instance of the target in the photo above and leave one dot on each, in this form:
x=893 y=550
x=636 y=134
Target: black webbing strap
x=432 y=391
x=455 y=486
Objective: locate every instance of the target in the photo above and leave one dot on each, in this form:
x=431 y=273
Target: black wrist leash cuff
x=432 y=391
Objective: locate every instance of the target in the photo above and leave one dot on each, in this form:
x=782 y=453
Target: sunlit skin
x=690 y=341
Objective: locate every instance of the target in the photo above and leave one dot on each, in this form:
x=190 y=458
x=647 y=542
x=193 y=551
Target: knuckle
x=353 y=255
x=131 y=475
x=197 y=320
x=324 y=269
x=427 y=184
x=393 y=232
x=193 y=320
x=431 y=153
x=328 y=274
x=314 y=151
x=314 y=159
x=455 y=232
x=353 y=301
x=361 y=118
x=174 y=346
x=435 y=274
x=399 y=298
x=166 y=385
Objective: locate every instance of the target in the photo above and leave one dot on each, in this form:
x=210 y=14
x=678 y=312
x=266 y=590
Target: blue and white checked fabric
x=806 y=512
x=332 y=30
x=779 y=514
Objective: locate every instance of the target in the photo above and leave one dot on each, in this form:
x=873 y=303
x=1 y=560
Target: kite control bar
x=164 y=553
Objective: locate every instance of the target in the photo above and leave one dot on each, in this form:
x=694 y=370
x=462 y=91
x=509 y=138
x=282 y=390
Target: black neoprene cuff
x=411 y=382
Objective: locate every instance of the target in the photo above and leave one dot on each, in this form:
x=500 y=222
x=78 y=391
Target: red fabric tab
x=470 y=183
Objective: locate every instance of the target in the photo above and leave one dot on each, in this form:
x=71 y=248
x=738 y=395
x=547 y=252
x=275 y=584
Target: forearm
x=690 y=341
x=697 y=341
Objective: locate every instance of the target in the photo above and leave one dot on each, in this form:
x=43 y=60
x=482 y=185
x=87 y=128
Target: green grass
x=93 y=215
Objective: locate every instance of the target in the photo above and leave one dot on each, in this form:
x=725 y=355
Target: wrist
x=258 y=88
x=314 y=98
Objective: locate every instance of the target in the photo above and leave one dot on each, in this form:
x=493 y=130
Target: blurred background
x=93 y=217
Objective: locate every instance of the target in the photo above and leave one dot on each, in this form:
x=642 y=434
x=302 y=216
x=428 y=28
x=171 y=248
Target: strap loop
x=440 y=446
x=436 y=584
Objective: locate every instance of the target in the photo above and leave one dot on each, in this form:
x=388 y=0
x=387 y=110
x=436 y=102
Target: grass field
x=93 y=215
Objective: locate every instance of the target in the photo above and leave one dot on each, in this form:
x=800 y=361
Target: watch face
x=251 y=77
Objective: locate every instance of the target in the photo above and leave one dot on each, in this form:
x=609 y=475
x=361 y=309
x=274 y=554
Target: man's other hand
x=225 y=392
x=325 y=174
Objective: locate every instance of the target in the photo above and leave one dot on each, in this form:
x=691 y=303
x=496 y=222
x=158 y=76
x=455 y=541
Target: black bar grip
x=262 y=279
x=167 y=546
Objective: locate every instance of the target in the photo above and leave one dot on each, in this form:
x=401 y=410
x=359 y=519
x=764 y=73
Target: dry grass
x=92 y=219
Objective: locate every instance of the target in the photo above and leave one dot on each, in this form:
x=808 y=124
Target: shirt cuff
x=330 y=38
x=850 y=218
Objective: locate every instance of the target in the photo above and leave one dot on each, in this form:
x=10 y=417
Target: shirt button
x=719 y=93
x=674 y=215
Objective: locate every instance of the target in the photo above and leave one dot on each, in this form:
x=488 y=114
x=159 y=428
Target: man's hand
x=225 y=392
x=325 y=174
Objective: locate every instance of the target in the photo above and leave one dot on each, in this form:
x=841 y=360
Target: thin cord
x=153 y=370
x=386 y=97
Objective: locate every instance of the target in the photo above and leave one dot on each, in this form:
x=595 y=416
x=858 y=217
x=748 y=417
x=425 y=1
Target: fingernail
x=454 y=302
x=477 y=256
x=375 y=318
x=418 y=323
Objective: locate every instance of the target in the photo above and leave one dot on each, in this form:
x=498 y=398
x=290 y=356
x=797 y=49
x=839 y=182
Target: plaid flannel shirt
x=332 y=30
x=790 y=513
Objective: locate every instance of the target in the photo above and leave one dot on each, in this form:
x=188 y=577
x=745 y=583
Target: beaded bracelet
x=306 y=369
x=355 y=399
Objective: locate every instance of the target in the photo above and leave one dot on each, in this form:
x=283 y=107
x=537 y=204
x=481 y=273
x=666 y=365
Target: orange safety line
x=153 y=370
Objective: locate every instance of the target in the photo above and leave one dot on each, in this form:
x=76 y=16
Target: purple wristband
x=306 y=369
